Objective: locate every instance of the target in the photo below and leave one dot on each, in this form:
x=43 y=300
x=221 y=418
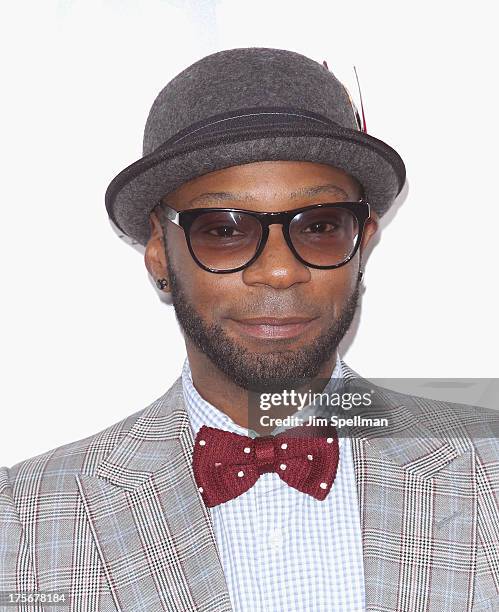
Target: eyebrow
x=306 y=191
x=220 y=196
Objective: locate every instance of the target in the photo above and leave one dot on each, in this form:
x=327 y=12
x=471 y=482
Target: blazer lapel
x=152 y=530
x=418 y=504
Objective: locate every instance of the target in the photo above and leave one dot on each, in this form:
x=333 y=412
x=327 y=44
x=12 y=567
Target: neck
x=215 y=387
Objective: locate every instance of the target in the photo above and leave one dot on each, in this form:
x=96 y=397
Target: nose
x=276 y=266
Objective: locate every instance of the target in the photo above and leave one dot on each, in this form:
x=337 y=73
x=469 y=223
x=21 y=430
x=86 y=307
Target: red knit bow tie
x=227 y=464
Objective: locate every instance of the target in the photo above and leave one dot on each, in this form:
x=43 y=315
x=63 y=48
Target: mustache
x=274 y=306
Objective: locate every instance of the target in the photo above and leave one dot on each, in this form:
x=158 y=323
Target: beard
x=260 y=372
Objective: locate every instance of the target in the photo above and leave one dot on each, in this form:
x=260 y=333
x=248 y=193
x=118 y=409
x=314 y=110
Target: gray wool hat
x=245 y=105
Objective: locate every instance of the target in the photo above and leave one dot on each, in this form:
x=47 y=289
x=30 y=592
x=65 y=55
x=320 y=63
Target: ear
x=370 y=228
x=155 y=257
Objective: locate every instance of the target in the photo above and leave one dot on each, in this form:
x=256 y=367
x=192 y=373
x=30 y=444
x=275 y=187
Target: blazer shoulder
x=47 y=483
x=45 y=487
x=72 y=457
x=440 y=417
x=56 y=469
x=476 y=424
x=62 y=463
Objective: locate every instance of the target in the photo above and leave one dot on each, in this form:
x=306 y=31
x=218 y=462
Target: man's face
x=216 y=311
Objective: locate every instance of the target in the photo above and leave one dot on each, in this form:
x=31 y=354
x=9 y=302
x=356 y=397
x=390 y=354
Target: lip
x=273 y=327
x=273 y=320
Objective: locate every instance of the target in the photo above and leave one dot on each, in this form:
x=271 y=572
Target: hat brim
x=136 y=190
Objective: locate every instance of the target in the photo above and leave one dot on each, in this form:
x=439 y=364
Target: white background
x=85 y=339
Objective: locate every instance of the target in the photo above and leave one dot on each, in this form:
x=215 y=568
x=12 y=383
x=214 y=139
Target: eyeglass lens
x=223 y=240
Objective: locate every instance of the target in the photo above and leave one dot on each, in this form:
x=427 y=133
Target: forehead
x=261 y=184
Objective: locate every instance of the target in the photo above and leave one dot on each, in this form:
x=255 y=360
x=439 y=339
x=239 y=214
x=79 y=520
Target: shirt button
x=275 y=539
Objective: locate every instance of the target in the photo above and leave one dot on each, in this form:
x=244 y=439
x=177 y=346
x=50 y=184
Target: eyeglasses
x=224 y=240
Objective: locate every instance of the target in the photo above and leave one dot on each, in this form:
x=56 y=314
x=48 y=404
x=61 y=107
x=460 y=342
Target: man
x=256 y=198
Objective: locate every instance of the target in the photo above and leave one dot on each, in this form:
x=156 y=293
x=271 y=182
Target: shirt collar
x=201 y=412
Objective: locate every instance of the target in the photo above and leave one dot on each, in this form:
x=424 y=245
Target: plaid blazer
x=117 y=521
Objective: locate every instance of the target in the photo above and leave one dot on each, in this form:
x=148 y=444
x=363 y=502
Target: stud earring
x=361 y=274
x=161 y=283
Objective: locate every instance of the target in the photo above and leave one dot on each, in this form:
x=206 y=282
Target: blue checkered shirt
x=280 y=549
